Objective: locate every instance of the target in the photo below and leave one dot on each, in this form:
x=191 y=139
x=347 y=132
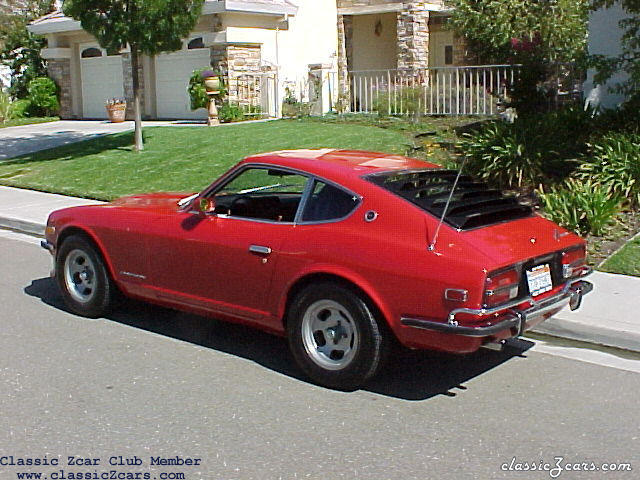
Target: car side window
x=262 y=193
x=328 y=202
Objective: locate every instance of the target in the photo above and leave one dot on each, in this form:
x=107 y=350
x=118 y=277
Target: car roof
x=339 y=164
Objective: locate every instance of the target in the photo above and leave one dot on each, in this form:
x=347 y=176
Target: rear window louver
x=473 y=204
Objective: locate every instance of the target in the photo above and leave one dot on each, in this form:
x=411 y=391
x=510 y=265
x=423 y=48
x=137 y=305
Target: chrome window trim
x=306 y=193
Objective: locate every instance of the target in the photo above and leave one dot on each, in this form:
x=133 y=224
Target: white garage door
x=173 y=71
x=101 y=81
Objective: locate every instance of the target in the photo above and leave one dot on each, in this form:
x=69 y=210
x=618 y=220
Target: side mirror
x=204 y=205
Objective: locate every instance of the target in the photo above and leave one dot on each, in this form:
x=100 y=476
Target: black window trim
x=368 y=177
x=306 y=193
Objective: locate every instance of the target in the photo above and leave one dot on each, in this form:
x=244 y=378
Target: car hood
x=515 y=241
x=152 y=201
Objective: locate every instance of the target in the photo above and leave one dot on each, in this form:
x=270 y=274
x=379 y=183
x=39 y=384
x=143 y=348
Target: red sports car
x=341 y=251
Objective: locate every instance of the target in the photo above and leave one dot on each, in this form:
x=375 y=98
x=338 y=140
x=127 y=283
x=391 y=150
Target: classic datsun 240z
x=341 y=251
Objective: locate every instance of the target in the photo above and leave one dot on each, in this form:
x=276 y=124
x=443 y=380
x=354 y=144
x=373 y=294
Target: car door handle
x=260 y=249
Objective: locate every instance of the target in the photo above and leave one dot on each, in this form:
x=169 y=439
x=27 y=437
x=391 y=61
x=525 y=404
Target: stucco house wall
x=604 y=39
x=240 y=36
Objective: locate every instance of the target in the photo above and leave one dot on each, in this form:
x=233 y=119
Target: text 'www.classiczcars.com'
x=118 y=467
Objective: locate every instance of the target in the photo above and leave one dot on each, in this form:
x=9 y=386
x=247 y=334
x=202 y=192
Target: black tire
x=83 y=279
x=334 y=336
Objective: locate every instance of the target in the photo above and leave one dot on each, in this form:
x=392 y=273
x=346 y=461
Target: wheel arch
x=92 y=238
x=359 y=286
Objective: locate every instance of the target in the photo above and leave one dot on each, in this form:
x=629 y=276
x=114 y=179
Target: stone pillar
x=345 y=55
x=413 y=37
x=319 y=89
x=234 y=61
x=128 y=84
x=60 y=72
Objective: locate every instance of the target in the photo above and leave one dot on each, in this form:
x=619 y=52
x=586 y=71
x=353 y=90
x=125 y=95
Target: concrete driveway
x=16 y=141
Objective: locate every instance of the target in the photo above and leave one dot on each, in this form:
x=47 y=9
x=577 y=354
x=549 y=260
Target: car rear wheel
x=83 y=279
x=334 y=336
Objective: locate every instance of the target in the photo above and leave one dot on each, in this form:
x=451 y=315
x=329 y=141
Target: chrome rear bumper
x=518 y=320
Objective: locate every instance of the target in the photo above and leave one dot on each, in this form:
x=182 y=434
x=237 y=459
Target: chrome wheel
x=80 y=276
x=329 y=334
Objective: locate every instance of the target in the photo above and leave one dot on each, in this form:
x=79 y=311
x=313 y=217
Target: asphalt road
x=149 y=382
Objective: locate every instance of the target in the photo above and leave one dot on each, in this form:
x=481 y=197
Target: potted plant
x=212 y=81
x=116 y=109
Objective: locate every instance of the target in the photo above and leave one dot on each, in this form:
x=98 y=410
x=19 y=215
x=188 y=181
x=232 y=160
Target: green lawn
x=179 y=158
x=626 y=261
x=18 y=122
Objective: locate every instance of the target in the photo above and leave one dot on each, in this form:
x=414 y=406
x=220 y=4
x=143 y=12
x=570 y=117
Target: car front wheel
x=83 y=279
x=334 y=336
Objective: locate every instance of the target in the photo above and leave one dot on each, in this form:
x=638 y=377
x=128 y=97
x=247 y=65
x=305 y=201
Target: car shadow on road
x=408 y=375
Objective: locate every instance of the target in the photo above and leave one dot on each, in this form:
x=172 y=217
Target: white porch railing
x=474 y=90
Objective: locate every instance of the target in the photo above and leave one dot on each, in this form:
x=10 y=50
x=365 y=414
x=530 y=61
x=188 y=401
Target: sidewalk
x=609 y=315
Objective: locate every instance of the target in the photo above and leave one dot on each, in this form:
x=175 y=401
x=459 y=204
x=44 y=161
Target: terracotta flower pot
x=212 y=84
x=117 y=112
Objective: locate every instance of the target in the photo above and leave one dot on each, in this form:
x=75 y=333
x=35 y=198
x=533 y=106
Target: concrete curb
x=562 y=328
x=22 y=226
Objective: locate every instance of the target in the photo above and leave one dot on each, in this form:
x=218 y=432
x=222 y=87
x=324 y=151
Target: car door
x=225 y=260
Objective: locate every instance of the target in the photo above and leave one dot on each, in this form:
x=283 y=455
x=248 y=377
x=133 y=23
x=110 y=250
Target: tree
x=20 y=49
x=145 y=26
x=534 y=33
x=629 y=60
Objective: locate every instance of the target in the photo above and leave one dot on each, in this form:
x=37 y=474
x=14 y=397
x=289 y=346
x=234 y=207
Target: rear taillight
x=573 y=261
x=500 y=287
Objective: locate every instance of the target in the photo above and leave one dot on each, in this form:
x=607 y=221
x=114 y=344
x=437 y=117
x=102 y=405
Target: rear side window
x=328 y=203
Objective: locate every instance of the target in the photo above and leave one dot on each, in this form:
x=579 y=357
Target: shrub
x=296 y=109
x=532 y=150
x=615 y=165
x=20 y=108
x=196 y=90
x=583 y=207
x=228 y=113
x=498 y=153
x=43 y=97
x=411 y=101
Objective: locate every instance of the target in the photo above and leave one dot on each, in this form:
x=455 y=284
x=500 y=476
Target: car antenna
x=432 y=246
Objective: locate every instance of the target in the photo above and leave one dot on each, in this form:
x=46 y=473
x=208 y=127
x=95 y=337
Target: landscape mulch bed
x=601 y=248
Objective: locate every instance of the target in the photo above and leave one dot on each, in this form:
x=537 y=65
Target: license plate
x=539 y=279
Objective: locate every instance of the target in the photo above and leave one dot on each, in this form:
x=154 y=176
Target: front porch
x=393 y=36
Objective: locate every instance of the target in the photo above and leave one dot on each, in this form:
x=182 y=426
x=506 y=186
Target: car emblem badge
x=532 y=240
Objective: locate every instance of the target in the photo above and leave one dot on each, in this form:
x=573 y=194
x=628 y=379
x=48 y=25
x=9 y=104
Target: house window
x=91 y=52
x=448 y=55
x=195 y=43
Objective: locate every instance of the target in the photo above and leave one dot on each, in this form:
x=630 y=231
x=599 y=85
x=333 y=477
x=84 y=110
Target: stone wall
x=60 y=72
x=128 y=84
